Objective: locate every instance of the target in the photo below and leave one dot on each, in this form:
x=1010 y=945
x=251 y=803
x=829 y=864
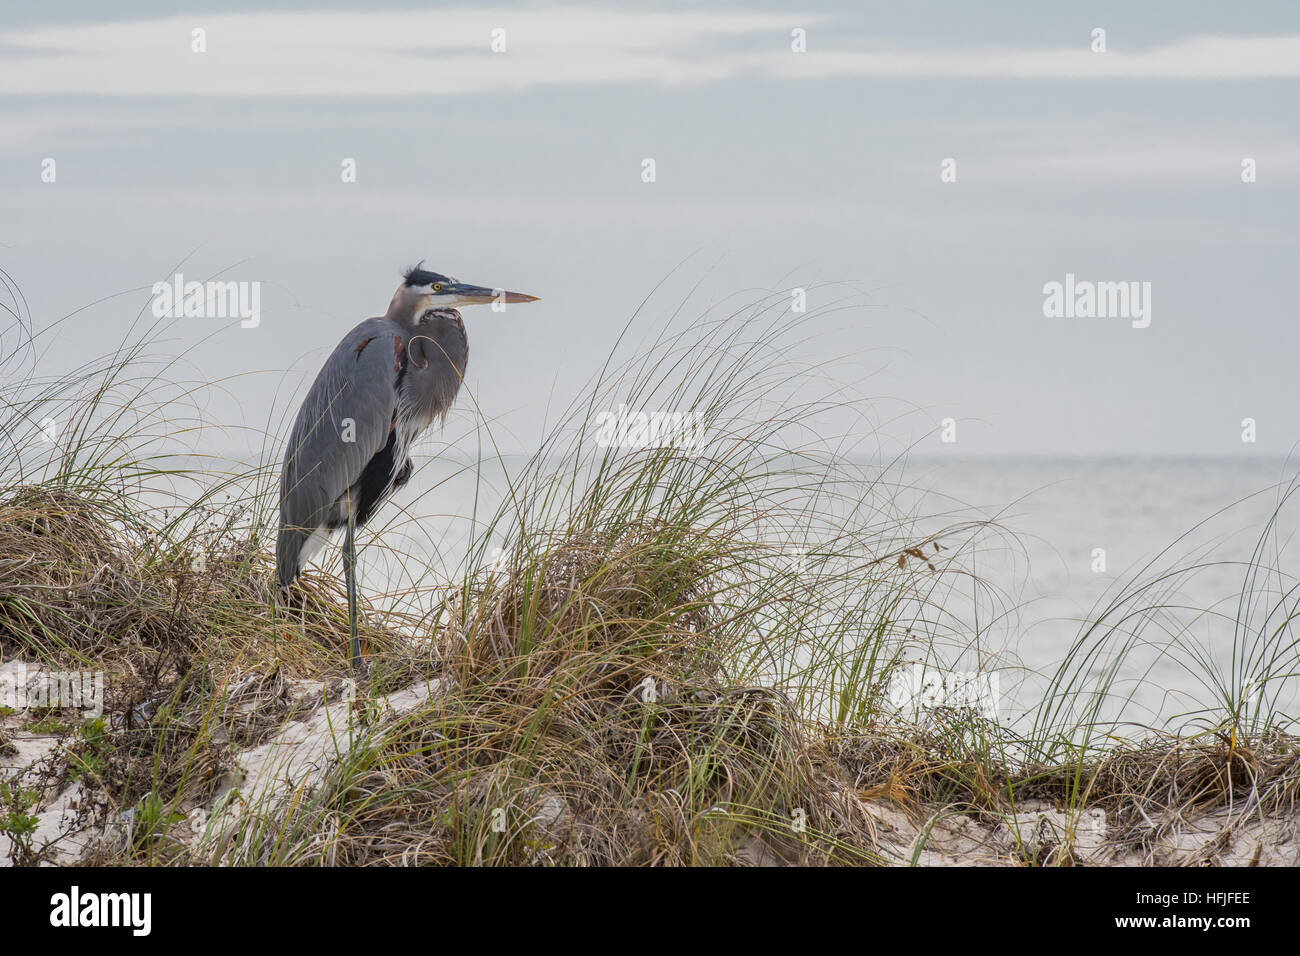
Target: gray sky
x=774 y=169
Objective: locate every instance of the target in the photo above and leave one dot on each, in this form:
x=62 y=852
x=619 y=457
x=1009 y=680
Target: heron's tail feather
x=288 y=551
x=294 y=547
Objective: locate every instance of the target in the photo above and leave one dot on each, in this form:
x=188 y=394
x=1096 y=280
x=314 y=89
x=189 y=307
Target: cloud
x=425 y=53
x=381 y=54
x=1206 y=57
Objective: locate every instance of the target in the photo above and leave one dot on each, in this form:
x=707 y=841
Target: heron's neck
x=407 y=305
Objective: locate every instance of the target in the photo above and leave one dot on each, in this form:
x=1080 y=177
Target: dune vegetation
x=680 y=654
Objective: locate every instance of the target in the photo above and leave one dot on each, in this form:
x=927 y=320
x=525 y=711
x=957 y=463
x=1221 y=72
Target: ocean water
x=1186 y=561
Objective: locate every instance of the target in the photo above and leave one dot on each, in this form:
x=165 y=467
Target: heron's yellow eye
x=437 y=287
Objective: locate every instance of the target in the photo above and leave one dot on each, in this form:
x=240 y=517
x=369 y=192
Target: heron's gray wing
x=344 y=422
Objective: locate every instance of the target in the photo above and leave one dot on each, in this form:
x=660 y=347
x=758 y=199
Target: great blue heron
x=384 y=384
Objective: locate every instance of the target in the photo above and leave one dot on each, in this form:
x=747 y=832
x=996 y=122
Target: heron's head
x=422 y=290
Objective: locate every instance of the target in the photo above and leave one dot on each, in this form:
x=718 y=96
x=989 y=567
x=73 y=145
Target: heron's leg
x=350 y=570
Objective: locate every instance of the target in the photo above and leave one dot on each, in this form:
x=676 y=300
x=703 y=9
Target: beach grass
x=676 y=649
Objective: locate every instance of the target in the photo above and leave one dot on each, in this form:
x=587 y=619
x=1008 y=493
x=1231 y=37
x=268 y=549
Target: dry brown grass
x=90 y=579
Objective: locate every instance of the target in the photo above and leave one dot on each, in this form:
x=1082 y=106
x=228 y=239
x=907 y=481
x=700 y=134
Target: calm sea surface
x=1168 y=545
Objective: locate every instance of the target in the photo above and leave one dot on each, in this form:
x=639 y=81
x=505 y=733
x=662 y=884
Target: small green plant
x=17 y=821
x=49 y=724
x=152 y=817
x=89 y=757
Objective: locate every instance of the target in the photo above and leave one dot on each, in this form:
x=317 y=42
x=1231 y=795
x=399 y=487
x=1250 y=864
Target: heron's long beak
x=478 y=295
